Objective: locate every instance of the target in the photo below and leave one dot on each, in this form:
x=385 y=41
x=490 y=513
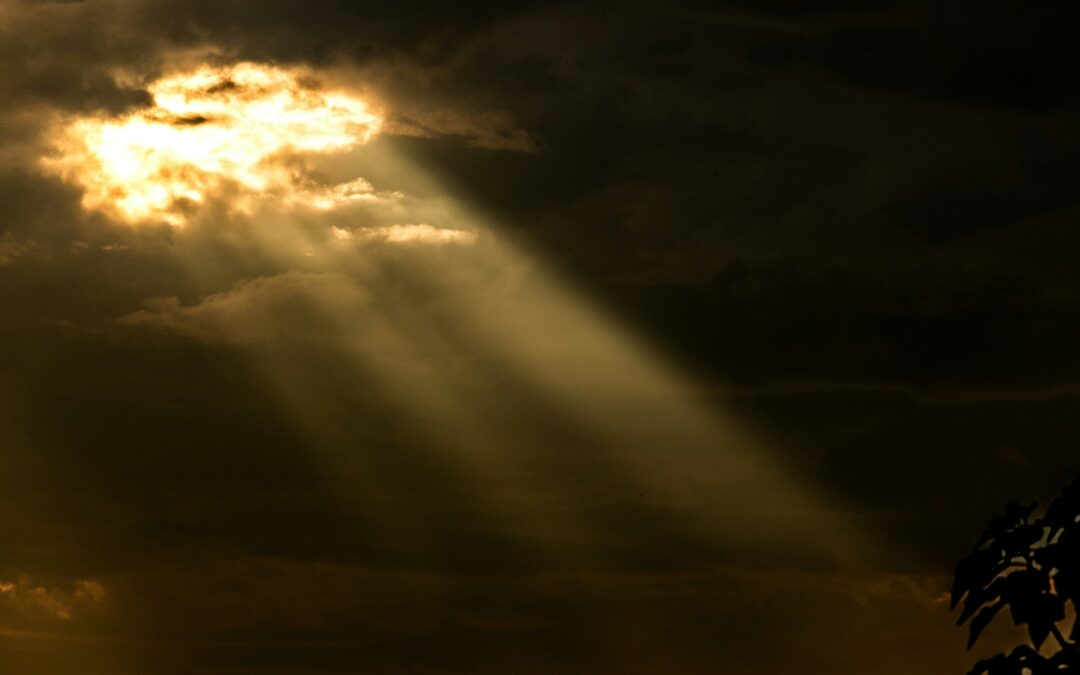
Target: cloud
x=408 y=234
x=415 y=620
x=30 y=599
x=207 y=130
x=491 y=130
x=11 y=249
x=291 y=306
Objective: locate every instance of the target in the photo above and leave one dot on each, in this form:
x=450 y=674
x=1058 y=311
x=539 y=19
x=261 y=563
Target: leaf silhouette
x=982 y=620
x=980 y=597
x=1020 y=661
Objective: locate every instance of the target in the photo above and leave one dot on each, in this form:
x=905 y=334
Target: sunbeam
x=408 y=290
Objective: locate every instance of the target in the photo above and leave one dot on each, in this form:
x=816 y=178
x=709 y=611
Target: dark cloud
x=952 y=58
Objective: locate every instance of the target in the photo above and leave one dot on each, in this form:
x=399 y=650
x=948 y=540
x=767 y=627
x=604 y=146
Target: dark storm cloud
x=848 y=208
x=48 y=57
x=1005 y=56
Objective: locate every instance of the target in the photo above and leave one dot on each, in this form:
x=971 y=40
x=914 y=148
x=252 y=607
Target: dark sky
x=767 y=308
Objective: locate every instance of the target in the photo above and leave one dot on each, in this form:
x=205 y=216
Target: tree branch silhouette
x=1031 y=565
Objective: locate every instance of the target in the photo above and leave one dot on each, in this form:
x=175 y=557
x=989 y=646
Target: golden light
x=483 y=331
x=214 y=128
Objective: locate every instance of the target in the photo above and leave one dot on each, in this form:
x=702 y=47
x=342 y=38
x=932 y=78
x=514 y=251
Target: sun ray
x=443 y=285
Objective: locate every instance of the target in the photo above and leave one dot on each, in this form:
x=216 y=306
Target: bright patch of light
x=210 y=130
x=327 y=198
x=408 y=234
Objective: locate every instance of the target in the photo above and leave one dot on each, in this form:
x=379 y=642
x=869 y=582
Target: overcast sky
x=638 y=338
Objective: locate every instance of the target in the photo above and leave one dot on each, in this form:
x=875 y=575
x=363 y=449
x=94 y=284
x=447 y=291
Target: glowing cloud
x=207 y=130
x=408 y=234
x=292 y=306
x=30 y=598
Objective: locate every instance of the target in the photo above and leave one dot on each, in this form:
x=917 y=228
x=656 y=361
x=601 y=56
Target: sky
x=534 y=338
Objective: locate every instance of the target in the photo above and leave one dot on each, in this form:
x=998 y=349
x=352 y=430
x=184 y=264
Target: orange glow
x=212 y=129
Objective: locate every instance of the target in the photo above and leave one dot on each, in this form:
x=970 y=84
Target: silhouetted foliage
x=1030 y=564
